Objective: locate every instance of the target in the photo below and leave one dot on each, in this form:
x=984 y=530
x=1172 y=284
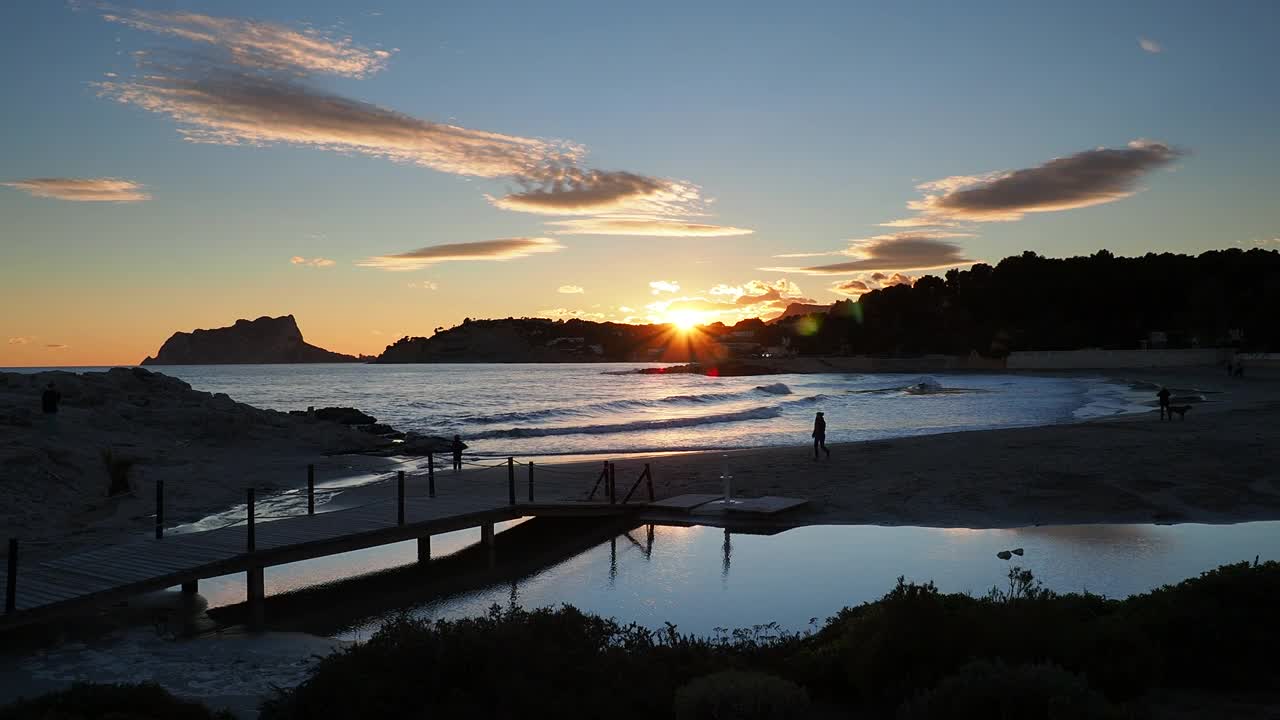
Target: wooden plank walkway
x=89 y=579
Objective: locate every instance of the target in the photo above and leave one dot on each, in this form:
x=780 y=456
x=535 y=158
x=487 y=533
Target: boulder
x=345 y=416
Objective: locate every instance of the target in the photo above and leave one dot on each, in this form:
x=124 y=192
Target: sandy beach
x=1217 y=466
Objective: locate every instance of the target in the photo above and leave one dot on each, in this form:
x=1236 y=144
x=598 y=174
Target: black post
x=431 y=475
x=311 y=489
x=159 y=509
x=613 y=490
x=11 y=589
x=511 y=479
x=251 y=540
x=530 y=481
x=648 y=476
x=400 y=498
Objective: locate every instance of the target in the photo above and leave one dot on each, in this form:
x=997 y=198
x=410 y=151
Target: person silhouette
x=820 y=435
x=49 y=400
x=457 y=447
x=1165 y=413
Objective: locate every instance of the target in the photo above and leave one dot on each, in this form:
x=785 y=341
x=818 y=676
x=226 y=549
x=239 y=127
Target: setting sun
x=685 y=320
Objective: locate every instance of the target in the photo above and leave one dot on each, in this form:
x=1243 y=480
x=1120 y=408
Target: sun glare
x=685 y=320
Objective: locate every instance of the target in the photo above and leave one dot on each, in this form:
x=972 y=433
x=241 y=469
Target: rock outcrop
x=263 y=341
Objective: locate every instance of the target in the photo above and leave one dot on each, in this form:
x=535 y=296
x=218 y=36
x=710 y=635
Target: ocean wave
x=612 y=406
x=757 y=413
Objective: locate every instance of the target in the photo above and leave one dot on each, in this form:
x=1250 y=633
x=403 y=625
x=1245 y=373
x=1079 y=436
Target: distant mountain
x=798 y=309
x=266 y=340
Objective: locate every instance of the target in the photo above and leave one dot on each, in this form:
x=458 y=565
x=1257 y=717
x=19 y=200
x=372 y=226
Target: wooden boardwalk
x=50 y=588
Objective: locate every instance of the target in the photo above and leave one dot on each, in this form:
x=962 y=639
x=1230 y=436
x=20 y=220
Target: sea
x=592 y=408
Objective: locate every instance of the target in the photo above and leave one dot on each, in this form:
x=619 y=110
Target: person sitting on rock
x=49 y=400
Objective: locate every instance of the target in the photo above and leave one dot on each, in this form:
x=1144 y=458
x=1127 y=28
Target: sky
x=380 y=170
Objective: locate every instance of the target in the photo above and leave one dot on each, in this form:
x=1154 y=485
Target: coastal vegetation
x=1220 y=298
x=1018 y=651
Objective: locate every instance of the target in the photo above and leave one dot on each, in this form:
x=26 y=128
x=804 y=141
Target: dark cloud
x=1092 y=177
x=890 y=253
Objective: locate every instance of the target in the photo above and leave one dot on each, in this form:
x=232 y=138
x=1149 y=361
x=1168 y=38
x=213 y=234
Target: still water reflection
x=702 y=578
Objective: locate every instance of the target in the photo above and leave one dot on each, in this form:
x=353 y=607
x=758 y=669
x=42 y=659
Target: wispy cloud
x=316 y=262
x=645 y=226
x=56 y=346
x=258 y=44
x=1150 y=45
x=504 y=249
x=1092 y=177
x=903 y=251
x=424 y=285
x=231 y=108
x=104 y=189
x=570 y=290
x=918 y=222
x=657 y=287
x=568 y=314
x=21 y=340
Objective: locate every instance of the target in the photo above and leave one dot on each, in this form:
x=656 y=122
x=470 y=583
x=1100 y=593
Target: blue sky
x=806 y=123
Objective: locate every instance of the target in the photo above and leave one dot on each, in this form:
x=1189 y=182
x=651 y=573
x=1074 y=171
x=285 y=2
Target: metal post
x=648 y=474
x=613 y=491
x=251 y=543
x=511 y=479
x=311 y=489
x=400 y=498
x=530 y=481
x=431 y=475
x=11 y=589
x=159 y=509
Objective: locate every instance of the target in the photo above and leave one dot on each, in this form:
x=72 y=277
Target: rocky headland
x=266 y=340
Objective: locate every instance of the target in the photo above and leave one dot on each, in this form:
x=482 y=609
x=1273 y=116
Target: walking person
x=457 y=447
x=820 y=436
x=1165 y=413
x=49 y=400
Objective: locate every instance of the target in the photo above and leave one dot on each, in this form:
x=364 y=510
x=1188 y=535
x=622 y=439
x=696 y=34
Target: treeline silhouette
x=1219 y=298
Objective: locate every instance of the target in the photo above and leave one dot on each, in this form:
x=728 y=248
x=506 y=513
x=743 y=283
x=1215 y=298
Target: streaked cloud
x=21 y=340
x=316 y=262
x=258 y=44
x=242 y=109
x=56 y=346
x=1088 y=178
x=1150 y=45
x=890 y=253
x=645 y=226
x=103 y=189
x=424 y=285
x=504 y=249
x=657 y=287
x=918 y=222
x=570 y=290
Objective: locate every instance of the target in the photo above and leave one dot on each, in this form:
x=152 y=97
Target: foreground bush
x=543 y=663
x=741 y=696
x=146 y=701
x=983 y=690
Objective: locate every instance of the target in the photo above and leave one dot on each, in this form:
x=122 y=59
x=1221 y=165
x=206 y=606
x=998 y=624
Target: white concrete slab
x=768 y=505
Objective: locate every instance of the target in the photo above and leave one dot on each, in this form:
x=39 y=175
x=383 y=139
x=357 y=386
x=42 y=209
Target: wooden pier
x=46 y=589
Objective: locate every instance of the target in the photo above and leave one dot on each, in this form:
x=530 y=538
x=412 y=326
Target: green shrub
x=84 y=701
x=983 y=690
x=734 y=694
